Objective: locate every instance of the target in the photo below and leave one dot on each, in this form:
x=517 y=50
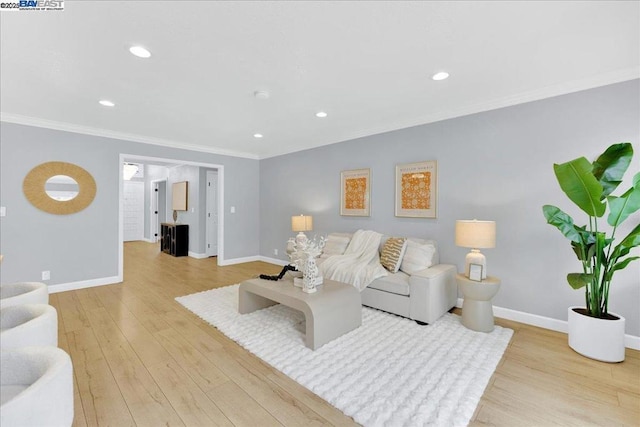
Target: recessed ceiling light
x=440 y=76
x=139 y=51
x=257 y=135
x=321 y=114
x=261 y=94
x=106 y=103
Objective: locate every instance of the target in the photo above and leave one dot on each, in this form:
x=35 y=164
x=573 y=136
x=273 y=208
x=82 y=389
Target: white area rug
x=389 y=372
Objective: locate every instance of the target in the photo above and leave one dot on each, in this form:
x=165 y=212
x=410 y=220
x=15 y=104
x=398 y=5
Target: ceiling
x=367 y=64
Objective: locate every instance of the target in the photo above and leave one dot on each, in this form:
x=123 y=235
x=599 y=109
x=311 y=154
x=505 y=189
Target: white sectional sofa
x=421 y=294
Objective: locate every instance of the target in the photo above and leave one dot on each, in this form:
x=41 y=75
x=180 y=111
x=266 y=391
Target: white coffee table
x=332 y=311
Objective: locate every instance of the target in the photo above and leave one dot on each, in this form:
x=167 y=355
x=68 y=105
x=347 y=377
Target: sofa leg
x=420 y=323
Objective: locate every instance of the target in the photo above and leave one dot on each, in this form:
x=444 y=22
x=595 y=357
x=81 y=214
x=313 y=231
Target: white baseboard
x=72 y=286
x=197 y=256
x=630 y=341
x=275 y=261
x=252 y=259
x=233 y=261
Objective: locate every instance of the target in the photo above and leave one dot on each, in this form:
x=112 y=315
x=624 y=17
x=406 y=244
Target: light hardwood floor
x=141 y=359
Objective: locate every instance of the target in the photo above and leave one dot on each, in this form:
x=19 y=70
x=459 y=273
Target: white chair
x=36 y=387
x=28 y=325
x=23 y=293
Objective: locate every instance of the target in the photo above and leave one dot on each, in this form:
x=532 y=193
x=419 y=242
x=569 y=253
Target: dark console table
x=174 y=239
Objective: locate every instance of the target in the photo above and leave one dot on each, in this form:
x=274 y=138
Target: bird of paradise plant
x=589 y=185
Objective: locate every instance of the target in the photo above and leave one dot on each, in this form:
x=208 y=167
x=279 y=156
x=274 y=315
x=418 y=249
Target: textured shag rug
x=389 y=372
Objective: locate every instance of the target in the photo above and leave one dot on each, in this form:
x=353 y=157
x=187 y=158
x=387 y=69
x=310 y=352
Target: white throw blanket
x=360 y=264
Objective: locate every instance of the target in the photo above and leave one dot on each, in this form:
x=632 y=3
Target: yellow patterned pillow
x=392 y=251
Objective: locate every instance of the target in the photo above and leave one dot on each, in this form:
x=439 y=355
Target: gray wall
x=84 y=246
x=495 y=165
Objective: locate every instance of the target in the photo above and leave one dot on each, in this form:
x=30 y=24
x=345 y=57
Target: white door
x=156 y=210
x=212 y=213
x=133 y=210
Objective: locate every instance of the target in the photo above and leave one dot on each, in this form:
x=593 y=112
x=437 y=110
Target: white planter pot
x=599 y=339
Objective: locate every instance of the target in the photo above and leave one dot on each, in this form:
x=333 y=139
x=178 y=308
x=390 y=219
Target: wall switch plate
x=3 y=211
x=275 y=252
x=46 y=275
x=233 y=209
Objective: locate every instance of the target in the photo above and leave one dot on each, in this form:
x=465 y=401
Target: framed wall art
x=180 y=196
x=355 y=190
x=416 y=189
x=475 y=272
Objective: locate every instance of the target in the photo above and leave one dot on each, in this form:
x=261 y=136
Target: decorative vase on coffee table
x=303 y=257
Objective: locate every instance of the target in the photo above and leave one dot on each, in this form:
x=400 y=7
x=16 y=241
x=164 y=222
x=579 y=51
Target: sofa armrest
x=433 y=271
x=432 y=292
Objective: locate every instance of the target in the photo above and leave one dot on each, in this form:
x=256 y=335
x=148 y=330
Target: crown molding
x=85 y=130
x=552 y=91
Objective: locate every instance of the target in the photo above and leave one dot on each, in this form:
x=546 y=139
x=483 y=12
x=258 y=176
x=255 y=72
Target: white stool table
x=477 y=310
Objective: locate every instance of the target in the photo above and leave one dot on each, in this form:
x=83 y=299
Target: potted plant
x=593 y=330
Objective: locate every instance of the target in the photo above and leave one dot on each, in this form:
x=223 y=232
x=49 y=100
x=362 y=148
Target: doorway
x=218 y=232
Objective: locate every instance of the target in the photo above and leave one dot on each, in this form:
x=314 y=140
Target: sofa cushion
x=417 y=256
x=397 y=283
x=391 y=254
x=336 y=244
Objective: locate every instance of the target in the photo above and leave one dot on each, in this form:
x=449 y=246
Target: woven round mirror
x=59 y=188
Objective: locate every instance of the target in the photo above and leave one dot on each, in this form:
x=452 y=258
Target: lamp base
x=301 y=239
x=475 y=257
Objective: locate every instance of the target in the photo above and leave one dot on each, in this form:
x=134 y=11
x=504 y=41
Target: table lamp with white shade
x=476 y=235
x=301 y=223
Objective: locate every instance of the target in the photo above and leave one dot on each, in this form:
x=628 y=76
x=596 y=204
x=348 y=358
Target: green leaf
x=602 y=243
x=580 y=251
x=581 y=186
x=629 y=242
x=579 y=280
x=610 y=167
x=619 y=266
x=621 y=207
x=563 y=222
x=588 y=237
x=592 y=250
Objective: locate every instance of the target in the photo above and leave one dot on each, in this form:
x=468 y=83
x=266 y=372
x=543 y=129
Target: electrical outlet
x=46 y=275
x=275 y=252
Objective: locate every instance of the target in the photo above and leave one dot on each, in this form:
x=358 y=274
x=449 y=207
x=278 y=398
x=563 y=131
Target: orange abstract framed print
x=354 y=194
x=416 y=189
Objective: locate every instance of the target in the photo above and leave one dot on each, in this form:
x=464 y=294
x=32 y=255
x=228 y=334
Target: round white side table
x=477 y=310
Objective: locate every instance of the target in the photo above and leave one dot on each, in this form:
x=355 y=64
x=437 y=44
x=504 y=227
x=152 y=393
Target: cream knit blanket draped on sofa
x=360 y=264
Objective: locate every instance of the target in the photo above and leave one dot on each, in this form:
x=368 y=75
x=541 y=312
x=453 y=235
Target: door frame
x=207 y=226
x=153 y=183
x=141 y=159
